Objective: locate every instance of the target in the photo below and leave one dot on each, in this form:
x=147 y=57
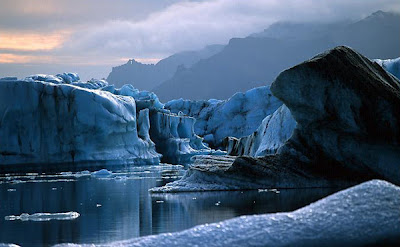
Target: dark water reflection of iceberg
x=118 y=206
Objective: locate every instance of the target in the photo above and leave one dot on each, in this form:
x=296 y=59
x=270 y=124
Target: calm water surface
x=119 y=206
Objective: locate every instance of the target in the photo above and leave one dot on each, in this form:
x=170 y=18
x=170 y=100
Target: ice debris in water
x=44 y=216
x=102 y=173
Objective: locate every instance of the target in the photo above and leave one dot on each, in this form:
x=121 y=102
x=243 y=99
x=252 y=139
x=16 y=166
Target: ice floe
x=43 y=216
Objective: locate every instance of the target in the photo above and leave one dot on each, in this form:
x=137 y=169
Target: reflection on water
x=119 y=207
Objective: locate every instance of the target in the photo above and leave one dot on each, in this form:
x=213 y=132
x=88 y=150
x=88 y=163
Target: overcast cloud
x=105 y=32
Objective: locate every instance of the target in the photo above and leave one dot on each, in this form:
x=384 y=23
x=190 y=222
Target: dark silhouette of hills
x=256 y=60
x=147 y=76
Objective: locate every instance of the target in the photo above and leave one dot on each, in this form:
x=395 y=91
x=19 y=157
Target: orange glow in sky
x=31 y=41
x=14 y=58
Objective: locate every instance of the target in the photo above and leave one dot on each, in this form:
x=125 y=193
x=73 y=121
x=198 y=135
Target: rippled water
x=117 y=206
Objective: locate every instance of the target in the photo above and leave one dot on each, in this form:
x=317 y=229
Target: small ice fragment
x=44 y=216
x=102 y=173
x=194 y=198
x=32 y=174
x=159 y=201
x=53 y=188
x=218 y=203
x=98 y=205
x=83 y=173
x=11 y=190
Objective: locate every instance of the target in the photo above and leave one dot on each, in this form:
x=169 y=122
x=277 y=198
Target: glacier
x=238 y=116
x=366 y=214
x=58 y=119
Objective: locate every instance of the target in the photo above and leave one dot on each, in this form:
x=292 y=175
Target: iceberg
x=237 y=117
x=43 y=122
x=366 y=214
x=347 y=131
x=47 y=119
x=278 y=127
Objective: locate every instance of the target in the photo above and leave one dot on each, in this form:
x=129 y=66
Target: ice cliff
x=347 y=130
x=46 y=119
x=237 y=117
x=365 y=215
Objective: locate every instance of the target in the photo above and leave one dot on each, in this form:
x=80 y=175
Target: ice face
x=366 y=214
x=237 y=117
x=273 y=132
x=53 y=123
x=175 y=138
x=391 y=65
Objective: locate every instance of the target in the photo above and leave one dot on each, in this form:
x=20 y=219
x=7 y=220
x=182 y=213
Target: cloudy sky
x=91 y=36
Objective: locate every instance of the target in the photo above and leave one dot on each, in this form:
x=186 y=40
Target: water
x=119 y=207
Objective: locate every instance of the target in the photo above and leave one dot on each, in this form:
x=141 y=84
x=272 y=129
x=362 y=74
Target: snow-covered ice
x=366 y=214
x=43 y=216
x=238 y=116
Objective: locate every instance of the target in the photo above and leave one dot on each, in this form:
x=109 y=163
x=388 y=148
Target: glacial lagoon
x=110 y=206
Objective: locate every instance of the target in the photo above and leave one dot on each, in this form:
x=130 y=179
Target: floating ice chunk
x=44 y=216
x=8 y=245
x=102 y=173
x=83 y=173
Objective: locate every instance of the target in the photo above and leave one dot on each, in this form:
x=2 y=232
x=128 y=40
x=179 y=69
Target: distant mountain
x=256 y=60
x=299 y=31
x=147 y=76
x=377 y=36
